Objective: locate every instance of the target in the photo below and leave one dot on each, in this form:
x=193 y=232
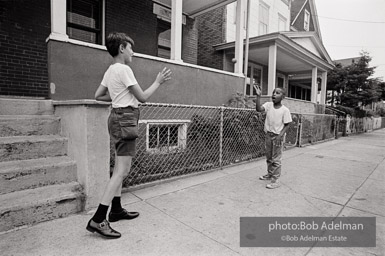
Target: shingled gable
x=297 y=13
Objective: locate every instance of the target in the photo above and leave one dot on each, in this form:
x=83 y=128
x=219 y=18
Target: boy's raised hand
x=164 y=76
x=257 y=89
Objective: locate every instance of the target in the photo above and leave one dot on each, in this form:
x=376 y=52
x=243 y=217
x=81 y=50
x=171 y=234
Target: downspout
x=247 y=47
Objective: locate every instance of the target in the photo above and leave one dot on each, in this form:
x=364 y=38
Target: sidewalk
x=199 y=215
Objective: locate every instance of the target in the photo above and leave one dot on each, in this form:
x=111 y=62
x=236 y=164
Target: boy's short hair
x=282 y=90
x=114 y=40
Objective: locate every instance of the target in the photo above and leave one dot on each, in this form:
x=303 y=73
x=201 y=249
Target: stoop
x=38 y=181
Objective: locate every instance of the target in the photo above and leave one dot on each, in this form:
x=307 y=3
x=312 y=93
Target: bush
x=239 y=100
x=369 y=113
x=359 y=113
x=347 y=110
x=380 y=112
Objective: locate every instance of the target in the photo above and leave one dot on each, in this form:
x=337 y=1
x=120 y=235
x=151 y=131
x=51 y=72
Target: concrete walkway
x=199 y=215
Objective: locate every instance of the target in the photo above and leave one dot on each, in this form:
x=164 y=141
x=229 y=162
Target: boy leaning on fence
x=119 y=86
x=277 y=121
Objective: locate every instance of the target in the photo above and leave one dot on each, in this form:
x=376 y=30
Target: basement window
x=166 y=136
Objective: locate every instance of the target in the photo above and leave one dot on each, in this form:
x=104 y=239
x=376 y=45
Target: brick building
x=55 y=49
x=27 y=32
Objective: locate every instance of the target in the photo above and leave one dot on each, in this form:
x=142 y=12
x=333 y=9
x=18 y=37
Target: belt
x=128 y=107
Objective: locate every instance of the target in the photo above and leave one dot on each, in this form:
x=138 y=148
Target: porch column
x=241 y=4
x=314 y=85
x=59 y=19
x=323 y=87
x=272 y=68
x=176 y=30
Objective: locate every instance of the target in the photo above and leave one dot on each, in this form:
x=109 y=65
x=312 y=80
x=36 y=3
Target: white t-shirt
x=117 y=79
x=276 y=118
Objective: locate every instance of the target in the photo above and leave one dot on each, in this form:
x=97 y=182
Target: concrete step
x=32 y=147
x=18 y=106
x=27 y=174
x=26 y=125
x=28 y=207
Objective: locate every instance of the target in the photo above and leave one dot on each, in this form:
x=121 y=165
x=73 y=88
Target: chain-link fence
x=181 y=139
x=177 y=140
x=316 y=127
x=292 y=134
x=341 y=127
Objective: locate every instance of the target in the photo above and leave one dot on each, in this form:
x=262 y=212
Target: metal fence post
x=221 y=139
x=300 y=131
x=336 y=124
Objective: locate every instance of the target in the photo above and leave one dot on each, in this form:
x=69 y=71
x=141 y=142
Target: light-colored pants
x=274 y=150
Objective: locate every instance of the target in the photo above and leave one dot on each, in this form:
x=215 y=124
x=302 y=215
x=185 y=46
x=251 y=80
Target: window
x=281 y=23
x=84 y=20
x=297 y=91
x=164 y=44
x=263 y=19
x=280 y=82
x=306 y=23
x=255 y=73
x=166 y=136
x=163 y=14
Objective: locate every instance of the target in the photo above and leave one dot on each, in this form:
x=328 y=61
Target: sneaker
x=273 y=185
x=123 y=215
x=103 y=228
x=265 y=177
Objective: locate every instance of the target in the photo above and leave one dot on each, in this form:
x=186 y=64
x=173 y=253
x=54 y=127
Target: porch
x=274 y=60
x=295 y=61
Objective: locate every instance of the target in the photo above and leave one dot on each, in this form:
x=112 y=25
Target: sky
x=350 y=26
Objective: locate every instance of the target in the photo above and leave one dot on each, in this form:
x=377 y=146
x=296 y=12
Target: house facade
x=55 y=49
x=284 y=49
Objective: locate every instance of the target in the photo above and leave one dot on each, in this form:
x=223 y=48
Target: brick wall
x=136 y=19
x=24 y=27
x=190 y=42
x=211 y=32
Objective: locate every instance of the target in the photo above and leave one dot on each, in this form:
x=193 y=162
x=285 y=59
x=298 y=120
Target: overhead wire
x=347 y=20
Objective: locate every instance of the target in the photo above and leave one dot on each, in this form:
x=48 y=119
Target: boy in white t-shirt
x=277 y=121
x=119 y=86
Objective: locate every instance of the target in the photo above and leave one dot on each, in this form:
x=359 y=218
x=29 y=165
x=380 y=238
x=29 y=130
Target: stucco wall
x=76 y=71
x=84 y=124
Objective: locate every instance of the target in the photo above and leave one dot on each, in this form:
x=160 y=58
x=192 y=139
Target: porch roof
x=292 y=57
x=194 y=8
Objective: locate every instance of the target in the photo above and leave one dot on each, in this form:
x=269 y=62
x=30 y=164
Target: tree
x=336 y=82
x=353 y=84
x=381 y=90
